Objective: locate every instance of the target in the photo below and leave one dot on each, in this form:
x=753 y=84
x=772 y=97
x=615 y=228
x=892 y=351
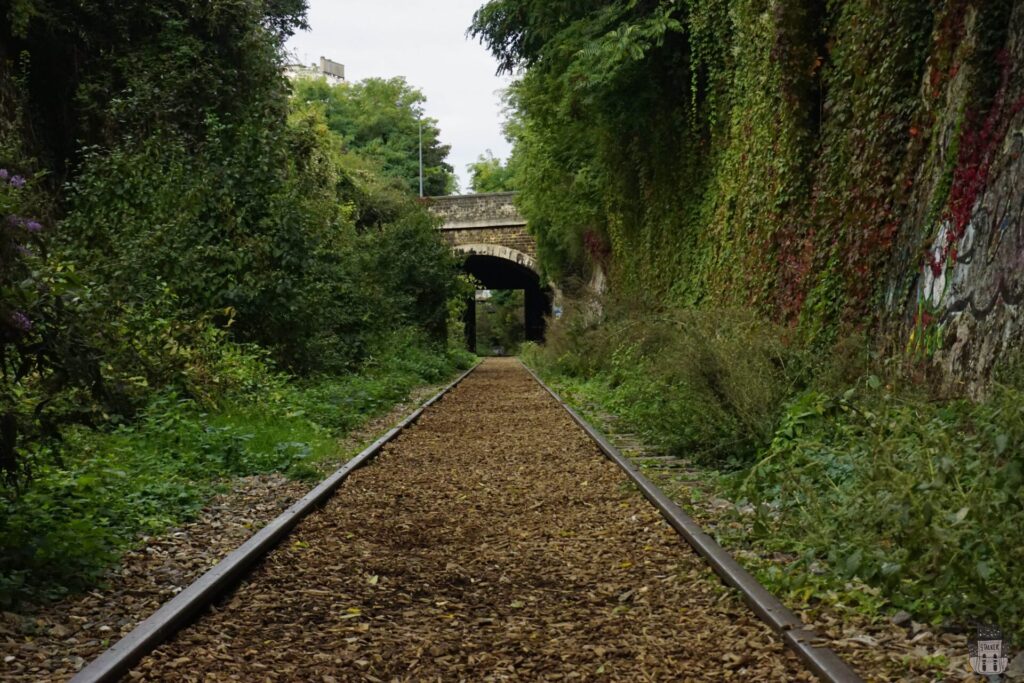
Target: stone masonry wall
x=514 y=237
x=476 y=210
x=968 y=309
x=483 y=219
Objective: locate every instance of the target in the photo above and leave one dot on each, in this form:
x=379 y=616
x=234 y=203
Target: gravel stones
x=491 y=541
x=52 y=642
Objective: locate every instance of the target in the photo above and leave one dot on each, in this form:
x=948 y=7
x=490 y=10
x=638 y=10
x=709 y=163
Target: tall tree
x=95 y=72
x=380 y=119
x=489 y=174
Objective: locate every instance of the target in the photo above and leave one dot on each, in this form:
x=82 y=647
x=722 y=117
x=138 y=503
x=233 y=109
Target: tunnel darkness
x=498 y=273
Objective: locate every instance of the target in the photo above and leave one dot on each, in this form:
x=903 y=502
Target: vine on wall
x=753 y=152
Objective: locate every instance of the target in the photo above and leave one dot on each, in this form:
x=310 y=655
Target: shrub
x=189 y=276
x=921 y=498
x=95 y=491
x=705 y=384
x=849 y=463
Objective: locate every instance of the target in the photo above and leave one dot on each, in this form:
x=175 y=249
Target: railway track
x=496 y=536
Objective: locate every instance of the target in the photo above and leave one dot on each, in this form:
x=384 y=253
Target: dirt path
x=489 y=542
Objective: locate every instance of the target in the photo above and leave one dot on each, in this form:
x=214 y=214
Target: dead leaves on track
x=490 y=542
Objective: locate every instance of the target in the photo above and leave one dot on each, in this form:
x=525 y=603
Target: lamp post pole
x=421 y=158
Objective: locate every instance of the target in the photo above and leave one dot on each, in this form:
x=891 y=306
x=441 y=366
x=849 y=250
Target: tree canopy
x=380 y=120
x=167 y=201
x=489 y=174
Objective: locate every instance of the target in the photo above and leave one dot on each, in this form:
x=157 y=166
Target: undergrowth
x=707 y=386
x=846 y=463
x=95 y=491
x=918 y=497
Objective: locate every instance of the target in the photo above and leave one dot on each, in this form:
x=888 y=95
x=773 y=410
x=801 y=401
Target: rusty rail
x=823 y=661
x=178 y=612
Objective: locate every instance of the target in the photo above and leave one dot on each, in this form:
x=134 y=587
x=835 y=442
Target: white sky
x=425 y=42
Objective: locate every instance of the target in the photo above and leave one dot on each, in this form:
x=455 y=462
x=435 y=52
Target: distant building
x=329 y=69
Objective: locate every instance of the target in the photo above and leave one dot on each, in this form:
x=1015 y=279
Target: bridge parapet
x=485 y=210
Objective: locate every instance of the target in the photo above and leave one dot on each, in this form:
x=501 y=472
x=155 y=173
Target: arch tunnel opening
x=497 y=273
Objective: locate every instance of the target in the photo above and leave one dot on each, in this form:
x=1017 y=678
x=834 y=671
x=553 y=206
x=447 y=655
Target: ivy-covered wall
x=836 y=164
x=960 y=301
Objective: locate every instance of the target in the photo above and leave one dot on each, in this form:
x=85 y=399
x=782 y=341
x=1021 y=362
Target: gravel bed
x=489 y=542
x=52 y=642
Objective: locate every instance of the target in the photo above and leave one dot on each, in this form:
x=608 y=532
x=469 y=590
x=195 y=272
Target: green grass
x=95 y=492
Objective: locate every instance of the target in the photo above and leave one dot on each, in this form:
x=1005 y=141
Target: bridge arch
x=498 y=251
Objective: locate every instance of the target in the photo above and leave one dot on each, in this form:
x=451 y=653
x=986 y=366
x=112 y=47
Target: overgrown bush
x=197 y=279
x=182 y=219
x=848 y=462
x=49 y=374
x=921 y=498
x=705 y=384
x=95 y=491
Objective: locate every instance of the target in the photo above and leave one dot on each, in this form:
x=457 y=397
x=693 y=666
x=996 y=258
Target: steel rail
x=178 y=612
x=823 y=661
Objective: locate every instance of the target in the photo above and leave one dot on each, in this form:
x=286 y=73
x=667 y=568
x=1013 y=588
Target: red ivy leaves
x=596 y=246
x=978 y=147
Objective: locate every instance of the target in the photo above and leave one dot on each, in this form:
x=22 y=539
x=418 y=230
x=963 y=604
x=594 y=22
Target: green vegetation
x=94 y=493
x=713 y=153
x=201 y=276
x=759 y=184
x=489 y=174
x=704 y=385
x=501 y=323
x=379 y=119
x=848 y=464
x=915 y=497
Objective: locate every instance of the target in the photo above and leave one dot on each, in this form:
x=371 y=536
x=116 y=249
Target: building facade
x=328 y=69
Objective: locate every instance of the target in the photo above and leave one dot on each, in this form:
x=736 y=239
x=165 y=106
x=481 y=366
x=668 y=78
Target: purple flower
x=17 y=182
x=20 y=321
x=4 y=175
x=33 y=226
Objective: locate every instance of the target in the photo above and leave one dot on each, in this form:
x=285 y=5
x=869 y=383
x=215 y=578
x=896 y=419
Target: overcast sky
x=425 y=42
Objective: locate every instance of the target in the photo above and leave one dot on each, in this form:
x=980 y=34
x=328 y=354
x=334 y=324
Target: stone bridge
x=499 y=251
x=488 y=224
